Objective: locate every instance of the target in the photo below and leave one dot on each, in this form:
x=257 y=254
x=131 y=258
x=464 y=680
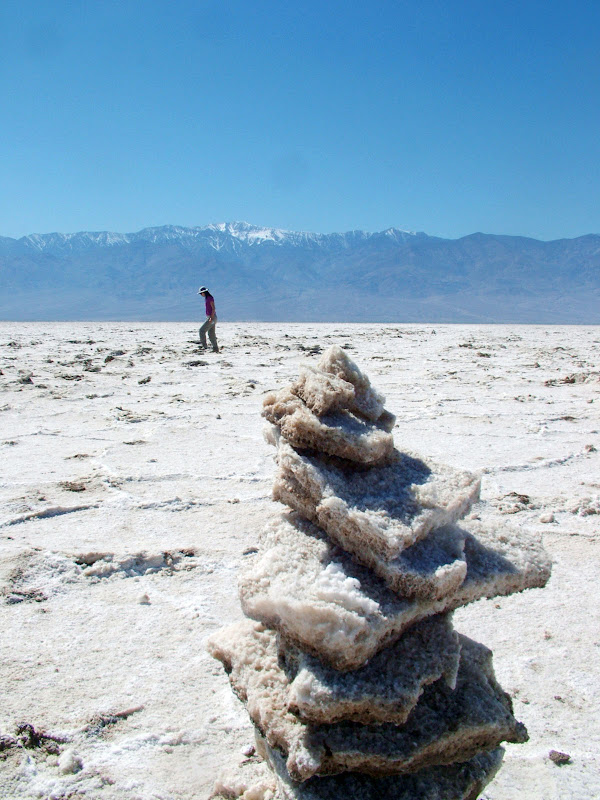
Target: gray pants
x=209 y=327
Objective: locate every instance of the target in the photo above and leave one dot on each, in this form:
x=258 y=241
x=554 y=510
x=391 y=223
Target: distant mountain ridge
x=214 y=236
x=269 y=274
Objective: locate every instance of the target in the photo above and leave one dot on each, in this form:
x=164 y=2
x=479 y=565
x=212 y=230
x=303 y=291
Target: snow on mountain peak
x=399 y=235
x=217 y=235
x=74 y=241
x=252 y=234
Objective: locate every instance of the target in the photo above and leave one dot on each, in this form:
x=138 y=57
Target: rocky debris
x=73 y=486
x=89 y=366
x=576 y=377
x=70 y=762
x=28 y=737
x=351 y=672
x=559 y=758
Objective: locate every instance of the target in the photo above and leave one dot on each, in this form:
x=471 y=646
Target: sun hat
x=202 y=289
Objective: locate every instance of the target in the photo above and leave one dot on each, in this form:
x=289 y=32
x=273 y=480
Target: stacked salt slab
x=356 y=682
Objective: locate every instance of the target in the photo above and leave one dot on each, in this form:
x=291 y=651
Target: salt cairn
x=356 y=682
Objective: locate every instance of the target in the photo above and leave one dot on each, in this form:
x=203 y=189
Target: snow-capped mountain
x=266 y=273
x=212 y=236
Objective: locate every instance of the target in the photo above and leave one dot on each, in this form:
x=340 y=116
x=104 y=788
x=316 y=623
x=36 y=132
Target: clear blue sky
x=450 y=116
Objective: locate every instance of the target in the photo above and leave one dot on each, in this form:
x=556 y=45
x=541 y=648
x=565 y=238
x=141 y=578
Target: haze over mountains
x=268 y=274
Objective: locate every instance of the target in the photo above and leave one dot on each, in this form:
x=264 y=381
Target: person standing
x=211 y=320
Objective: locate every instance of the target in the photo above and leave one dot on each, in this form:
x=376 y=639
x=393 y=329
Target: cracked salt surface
x=162 y=502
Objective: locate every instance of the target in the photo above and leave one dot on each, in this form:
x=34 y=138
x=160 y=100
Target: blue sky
x=448 y=117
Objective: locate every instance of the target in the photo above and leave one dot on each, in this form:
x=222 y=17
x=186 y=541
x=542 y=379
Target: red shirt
x=209 y=301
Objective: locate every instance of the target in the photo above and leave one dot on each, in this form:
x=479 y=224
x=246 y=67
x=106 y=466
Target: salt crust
x=323 y=393
x=430 y=569
x=320 y=598
x=444 y=726
x=254 y=780
x=367 y=401
x=382 y=510
x=333 y=409
x=384 y=690
x=338 y=433
x=338 y=384
x=463 y=781
x=432 y=566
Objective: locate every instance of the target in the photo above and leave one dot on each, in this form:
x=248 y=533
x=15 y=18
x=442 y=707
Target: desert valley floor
x=134 y=476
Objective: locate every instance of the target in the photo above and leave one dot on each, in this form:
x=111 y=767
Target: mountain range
x=267 y=274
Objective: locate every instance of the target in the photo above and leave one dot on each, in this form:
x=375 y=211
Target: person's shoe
x=215 y=349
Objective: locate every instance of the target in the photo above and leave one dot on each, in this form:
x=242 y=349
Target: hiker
x=211 y=320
